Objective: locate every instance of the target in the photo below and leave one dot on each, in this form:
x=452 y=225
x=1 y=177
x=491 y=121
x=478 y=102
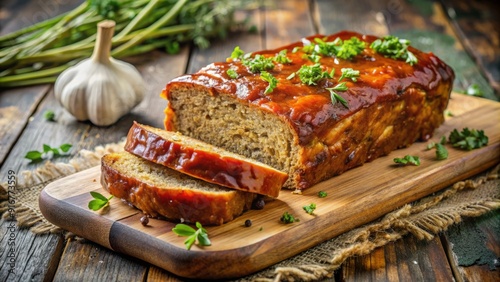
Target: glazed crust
x=391 y=105
x=175 y=203
x=203 y=161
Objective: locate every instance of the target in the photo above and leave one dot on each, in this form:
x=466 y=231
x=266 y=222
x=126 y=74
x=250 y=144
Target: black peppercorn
x=144 y=220
x=248 y=223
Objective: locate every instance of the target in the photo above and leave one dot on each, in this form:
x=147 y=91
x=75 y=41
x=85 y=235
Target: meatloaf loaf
x=317 y=107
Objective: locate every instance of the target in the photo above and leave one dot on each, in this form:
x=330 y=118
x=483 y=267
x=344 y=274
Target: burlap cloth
x=423 y=219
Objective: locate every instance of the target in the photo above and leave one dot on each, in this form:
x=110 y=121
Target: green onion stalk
x=39 y=53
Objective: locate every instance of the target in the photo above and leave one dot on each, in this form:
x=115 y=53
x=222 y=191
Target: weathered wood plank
x=476 y=24
x=86 y=261
x=334 y=16
x=425 y=24
x=287 y=21
x=404 y=260
x=33 y=257
x=474 y=248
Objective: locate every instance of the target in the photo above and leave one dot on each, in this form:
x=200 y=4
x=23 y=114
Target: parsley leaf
x=322 y=194
x=350 y=48
x=349 y=73
x=310 y=75
x=49 y=115
x=273 y=82
x=258 y=63
x=237 y=53
x=288 y=218
x=468 y=139
x=310 y=208
x=232 y=73
x=414 y=160
x=99 y=201
x=441 y=152
x=193 y=235
x=282 y=58
x=48 y=152
x=394 y=48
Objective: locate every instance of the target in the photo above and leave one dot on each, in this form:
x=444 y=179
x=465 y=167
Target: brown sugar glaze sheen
x=309 y=108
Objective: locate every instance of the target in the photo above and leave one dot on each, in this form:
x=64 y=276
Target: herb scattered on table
x=414 y=160
x=474 y=90
x=468 y=139
x=99 y=201
x=48 y=152
x=441 y=151
x=49 y=115
x=200 y=235
x=288 y=218
x=310 y=208
x=322 y=194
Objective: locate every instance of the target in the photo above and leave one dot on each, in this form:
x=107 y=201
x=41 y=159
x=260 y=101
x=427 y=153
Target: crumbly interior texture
x=234 y=126
x=371 y=132
x=160 y=191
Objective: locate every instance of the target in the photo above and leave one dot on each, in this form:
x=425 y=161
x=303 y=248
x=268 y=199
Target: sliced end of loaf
x=160 y=191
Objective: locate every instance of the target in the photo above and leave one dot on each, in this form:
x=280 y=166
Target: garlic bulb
x=100 y=88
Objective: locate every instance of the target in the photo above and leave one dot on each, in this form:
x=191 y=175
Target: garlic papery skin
x=100 y=88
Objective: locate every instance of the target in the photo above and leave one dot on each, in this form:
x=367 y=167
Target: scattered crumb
x=297 y=192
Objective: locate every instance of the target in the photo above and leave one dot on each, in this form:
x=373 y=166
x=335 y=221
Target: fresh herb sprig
x=100 y=201
x=311 y=75
x=468 y=139
x=394 y=48
x=47 y=152
x=200 y=235
x=39 y=53
x=408 y=159
x=322 y=194
x=441 y=151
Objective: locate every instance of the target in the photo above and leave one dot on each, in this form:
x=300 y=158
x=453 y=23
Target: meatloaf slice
x=314 y=130
x=203 y=161
x=160 y=191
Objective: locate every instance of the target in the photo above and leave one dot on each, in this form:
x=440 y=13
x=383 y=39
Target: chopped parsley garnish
x=322 y=194
x=237 y=53
x=474 y=90
x=468 y=139
x=193 y=235
x=394 y=48
x=310 y=208
x=258 y=63
x=344 y=49
x=414 y=160
x=273 y=82
x=99 y=201
x=310 y=75
x=349 y=73
x=282 y=58
x=349 y=48
x=288 y=218
x=441 y=152
x=232 y=73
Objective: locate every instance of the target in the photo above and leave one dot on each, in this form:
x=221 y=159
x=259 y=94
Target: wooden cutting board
x=354 y=198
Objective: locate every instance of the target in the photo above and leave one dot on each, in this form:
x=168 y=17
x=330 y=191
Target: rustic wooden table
x=465 y=34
